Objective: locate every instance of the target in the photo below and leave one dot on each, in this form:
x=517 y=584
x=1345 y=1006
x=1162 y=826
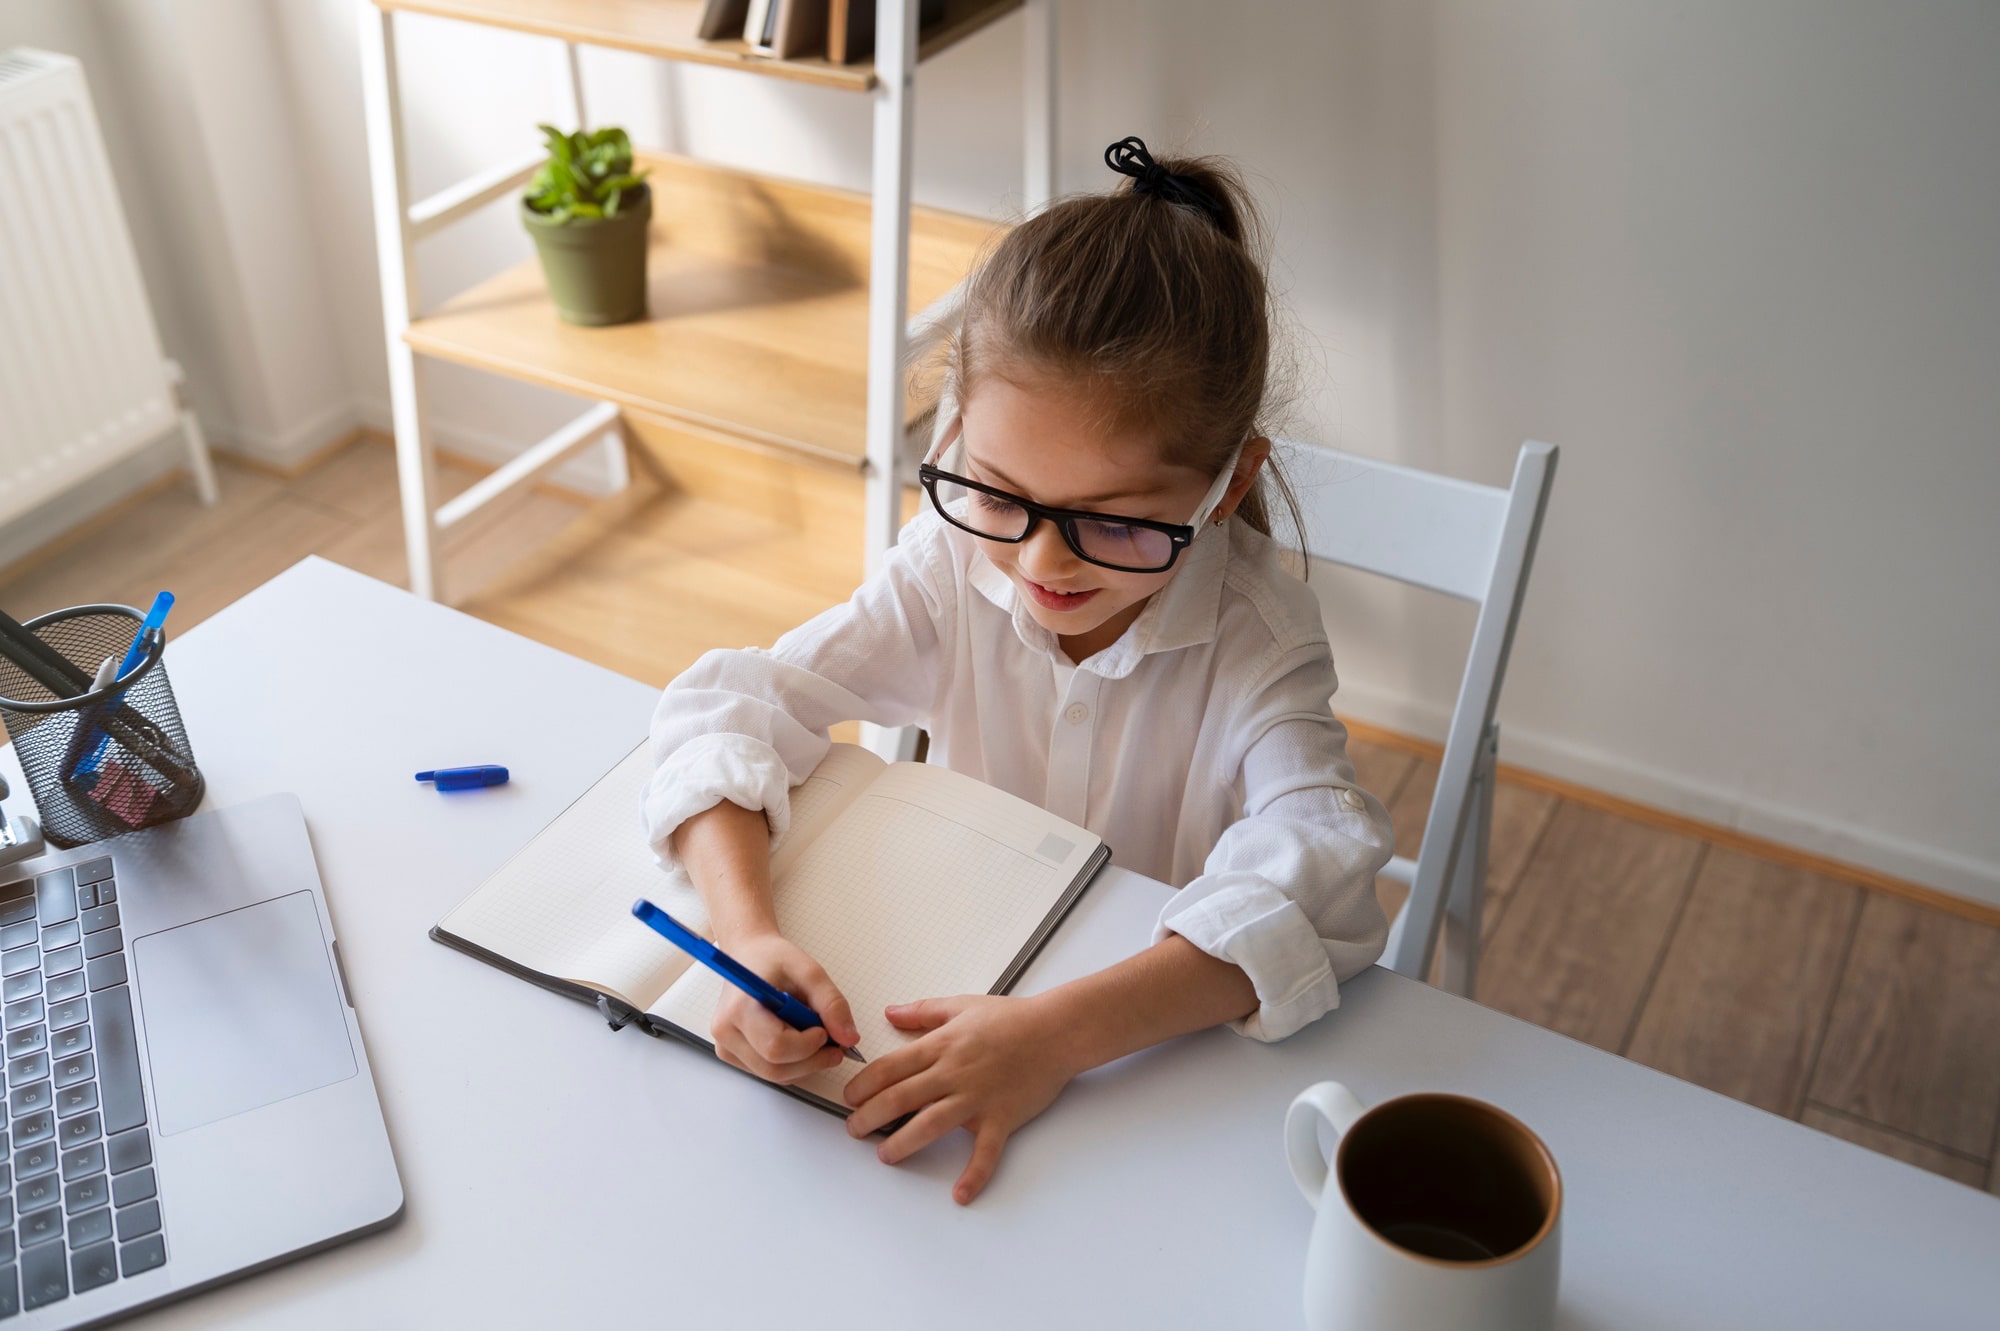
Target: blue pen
x=156 y=617
x=786 y=1008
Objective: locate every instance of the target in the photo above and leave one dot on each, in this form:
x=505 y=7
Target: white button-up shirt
x=1201 y=746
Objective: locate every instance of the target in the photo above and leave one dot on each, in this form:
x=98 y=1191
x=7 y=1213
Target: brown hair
x=1152 y=303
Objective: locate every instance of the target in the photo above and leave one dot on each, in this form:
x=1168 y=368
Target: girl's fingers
x=772 y=1039
x=832 y=1007
x=987 y=1145
x=934 y=1122
x=886 y=1071
x=925 y=1014
x=889 y=1105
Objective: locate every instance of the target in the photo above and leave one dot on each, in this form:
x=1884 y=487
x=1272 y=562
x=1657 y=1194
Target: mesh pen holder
x=131 y=766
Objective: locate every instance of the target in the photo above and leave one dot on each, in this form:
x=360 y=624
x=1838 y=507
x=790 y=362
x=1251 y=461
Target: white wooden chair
x=1474 y=542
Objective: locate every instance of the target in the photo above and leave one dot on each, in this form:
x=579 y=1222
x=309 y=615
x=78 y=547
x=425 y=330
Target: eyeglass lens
x=1114 y=543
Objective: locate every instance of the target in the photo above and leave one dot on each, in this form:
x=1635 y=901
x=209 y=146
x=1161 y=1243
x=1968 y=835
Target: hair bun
x=1128 y=157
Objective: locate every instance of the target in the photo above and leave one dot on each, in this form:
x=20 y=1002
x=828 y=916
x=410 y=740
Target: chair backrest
x=1471 y=541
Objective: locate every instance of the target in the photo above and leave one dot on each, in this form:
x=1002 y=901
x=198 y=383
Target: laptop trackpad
x=241 y=1009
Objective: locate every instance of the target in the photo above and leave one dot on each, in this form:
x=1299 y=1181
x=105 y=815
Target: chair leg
x=1465 y=897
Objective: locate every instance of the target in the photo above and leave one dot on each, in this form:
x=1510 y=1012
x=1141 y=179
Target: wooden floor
x=1860 y=1013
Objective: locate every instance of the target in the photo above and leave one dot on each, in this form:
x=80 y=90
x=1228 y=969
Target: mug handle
x=1334 y=1103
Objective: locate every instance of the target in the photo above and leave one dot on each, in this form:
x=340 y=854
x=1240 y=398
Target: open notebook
x=904 y=881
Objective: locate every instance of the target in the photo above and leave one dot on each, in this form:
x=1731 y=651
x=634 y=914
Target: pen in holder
x=102 y=758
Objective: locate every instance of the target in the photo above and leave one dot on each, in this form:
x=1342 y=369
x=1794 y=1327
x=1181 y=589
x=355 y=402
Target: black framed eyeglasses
x=1129 y=545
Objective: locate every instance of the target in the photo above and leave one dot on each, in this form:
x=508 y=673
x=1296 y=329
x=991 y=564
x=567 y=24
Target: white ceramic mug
x=1435 y=1211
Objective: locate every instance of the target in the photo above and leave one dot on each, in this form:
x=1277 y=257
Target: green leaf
x=581 y=209
x=611 y=204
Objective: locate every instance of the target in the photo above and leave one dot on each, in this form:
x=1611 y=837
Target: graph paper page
x=928 y=885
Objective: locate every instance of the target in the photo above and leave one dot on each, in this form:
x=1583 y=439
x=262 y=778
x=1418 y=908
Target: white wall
x=1737 y=260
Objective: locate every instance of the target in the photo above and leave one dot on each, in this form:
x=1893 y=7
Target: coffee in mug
x=1435 y=1211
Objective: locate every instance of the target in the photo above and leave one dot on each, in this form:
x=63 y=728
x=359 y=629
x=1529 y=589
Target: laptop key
x=20 y=986
x=94 y=871
x=62 y=961
x=106 y=893
x=86 y=897
x=76 y=1131
x=69 y=1012
x=98 y=917
x=7 y=1243
x=73 y=1100
x=129 y=1150
x=72 y=1040
x=44 y=1276
x=27 y=1068
x=26 y=1040
x=31 y=1098
x=136 y=1186
x=55 y=896
x=66 y=986
x=22 y=1012
x=90 y=1227
x=103 y=944
x=73 y=1068
x=107 y=971
x=10 y=1287
x=39 y=1227
x=36 y=1095
x=19 y=934
x=117 y=1059
x=144 y=1255
x=133 y=1221
x=86 y=1194
x=88 y=1160
x=93 y=1266
x=66 y=934
x=39 y=1158
x=39 y=1192
x=16 y=909
x=33 y=1128
x=19 y=960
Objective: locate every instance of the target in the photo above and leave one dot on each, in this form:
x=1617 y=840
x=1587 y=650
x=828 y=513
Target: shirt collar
x=1181 y=614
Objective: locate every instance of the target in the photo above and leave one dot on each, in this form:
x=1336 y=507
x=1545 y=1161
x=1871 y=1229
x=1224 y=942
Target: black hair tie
x=1128 y=157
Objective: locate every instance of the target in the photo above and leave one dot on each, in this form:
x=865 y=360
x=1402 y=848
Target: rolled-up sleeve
x=1288 y=893
x=747 y=725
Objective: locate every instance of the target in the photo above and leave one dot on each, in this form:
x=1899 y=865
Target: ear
x=1248 y=463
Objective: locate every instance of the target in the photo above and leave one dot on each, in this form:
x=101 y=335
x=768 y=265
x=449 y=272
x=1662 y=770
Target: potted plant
x=588 y=210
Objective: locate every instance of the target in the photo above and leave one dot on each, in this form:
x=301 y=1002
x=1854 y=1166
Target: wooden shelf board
x=666 y=29
x=758 y=312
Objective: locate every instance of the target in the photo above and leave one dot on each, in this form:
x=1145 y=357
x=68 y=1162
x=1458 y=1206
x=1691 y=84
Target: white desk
x=562 y=1175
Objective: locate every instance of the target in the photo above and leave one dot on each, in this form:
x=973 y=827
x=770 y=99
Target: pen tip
x=856 y=1055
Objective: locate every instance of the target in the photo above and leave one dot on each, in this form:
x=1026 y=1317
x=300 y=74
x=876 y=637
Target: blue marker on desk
x=785 y=1007
x=465 y=778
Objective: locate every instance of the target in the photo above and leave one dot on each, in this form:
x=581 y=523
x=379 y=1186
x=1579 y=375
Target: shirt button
x=1076 y=714
x=1352 y=799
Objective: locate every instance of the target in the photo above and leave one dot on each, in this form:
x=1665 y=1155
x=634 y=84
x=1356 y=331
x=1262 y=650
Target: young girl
x=1094 y=617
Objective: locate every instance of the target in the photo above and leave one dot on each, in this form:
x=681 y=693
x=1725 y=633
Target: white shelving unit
x=676 y=366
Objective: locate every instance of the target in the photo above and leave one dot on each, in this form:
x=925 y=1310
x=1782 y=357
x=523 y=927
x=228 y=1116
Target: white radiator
x=83 y=382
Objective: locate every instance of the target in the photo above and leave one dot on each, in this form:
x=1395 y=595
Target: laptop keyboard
x=79 y=1203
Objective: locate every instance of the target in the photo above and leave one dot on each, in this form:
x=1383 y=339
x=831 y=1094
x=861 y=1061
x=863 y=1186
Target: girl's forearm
x=727 y=851
x=1172 y=988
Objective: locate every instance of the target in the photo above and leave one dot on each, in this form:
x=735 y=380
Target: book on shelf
x=850 y=28
x=903 y=880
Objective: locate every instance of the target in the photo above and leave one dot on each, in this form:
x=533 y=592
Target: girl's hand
x=747 y=1035
x=988 y=1065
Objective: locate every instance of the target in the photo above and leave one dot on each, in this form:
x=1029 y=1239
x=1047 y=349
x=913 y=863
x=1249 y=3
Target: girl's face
x=1045 y=444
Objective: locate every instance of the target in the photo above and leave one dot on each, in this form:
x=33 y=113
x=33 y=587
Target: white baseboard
x=1624 y=778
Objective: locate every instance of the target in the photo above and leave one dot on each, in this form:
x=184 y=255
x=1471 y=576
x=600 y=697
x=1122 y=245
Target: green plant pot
x=596 y=266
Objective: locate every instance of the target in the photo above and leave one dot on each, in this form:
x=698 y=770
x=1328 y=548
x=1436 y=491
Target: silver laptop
x=187 y=1095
